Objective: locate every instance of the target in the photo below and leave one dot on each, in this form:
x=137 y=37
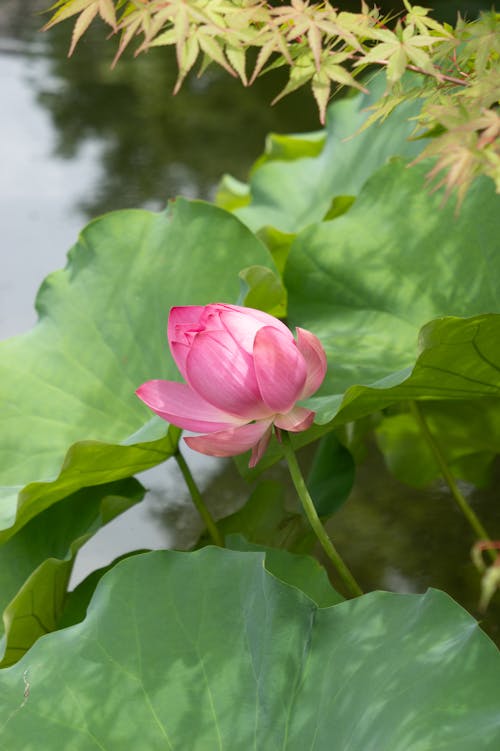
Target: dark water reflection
x=153 y=146
x=406 y=540
x=111 y=140
x=78 y=140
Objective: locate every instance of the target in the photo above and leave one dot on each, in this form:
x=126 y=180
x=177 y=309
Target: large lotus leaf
x=301 y=571
x=289 y=193
x=233 y=194
x=209 y=650
x=367 y=282
x=263 y=289
x=290 y=147
x=77 y=601
x=36 y=563
x=101 y=333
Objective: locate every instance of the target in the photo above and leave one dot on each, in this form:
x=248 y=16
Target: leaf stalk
x=313 y=518
x=459 y=498
x=197 y=499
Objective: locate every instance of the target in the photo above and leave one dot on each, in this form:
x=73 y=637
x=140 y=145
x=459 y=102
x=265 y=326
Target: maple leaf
x=88 y=10
x=67 y=8
x=135 y=19
x=418 y=18
x=331 y=72
x=468 y=147
x=400 y=48
x=483 y=41
x=302 y=71
x=318 y=24
x=270 y=40
x=235 y=53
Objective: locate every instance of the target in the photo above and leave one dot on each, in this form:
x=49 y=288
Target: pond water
x=76 y=140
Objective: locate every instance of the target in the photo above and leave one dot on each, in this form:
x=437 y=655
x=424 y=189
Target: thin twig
x=415 y=68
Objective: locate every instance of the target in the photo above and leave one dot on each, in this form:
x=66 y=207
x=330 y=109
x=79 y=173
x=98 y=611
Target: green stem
x=198 y=500
x=314 y=519
x=461 y=501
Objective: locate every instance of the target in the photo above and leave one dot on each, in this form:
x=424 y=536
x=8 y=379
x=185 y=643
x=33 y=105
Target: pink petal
x=223 y=374
x=264 y=318
x=184 y=318
x=230 y=442
x=280 y=369
x=178 y=404
x=315 y=357
x=259 y=449
x=183 y=322
x=299 y=418
x=243 y=324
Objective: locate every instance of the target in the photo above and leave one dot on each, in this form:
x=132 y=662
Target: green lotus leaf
x=278 y=243
x=69 y=417
x=301 y=571
x=77 y=601
x=36 y=563
x=289 y=193
x=370 y=282
x=264 y=290
x=209 y=650
x=232 y=193
x=291 y=146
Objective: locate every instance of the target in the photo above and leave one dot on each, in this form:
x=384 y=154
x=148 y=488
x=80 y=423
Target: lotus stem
x=313 y=518
x=198 y=501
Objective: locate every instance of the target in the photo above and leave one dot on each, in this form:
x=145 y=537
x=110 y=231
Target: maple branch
x=442 y=77
x=439 y=76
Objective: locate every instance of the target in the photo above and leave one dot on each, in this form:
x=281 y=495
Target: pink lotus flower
x=244 y=372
